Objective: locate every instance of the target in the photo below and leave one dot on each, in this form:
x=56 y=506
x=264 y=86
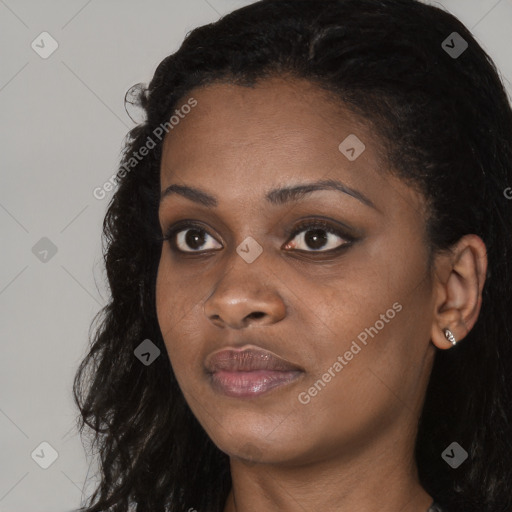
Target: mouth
x=249 y=372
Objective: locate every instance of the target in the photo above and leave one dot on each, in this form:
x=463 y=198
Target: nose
x=243 y=297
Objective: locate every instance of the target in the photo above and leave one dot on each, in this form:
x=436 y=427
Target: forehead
x=279 y=130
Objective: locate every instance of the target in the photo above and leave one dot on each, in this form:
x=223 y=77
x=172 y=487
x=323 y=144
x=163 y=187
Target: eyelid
x=309 y=224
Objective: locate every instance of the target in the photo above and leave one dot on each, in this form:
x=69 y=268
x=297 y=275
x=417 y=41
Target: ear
x=459 y=281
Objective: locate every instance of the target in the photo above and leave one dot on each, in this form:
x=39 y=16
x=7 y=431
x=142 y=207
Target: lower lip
x=249 y=384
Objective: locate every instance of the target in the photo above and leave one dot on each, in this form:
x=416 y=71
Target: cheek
x=163 y=294
x=375 y=318
x=176 y=308
x=174 y=300
x=168 y=309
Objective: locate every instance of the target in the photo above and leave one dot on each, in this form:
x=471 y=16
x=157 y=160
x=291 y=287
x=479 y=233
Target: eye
x=318 y=236
x=191 y=236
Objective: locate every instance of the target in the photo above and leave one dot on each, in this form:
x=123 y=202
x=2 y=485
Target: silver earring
x=449 y=336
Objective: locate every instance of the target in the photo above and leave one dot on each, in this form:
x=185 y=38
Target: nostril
x=256 y=314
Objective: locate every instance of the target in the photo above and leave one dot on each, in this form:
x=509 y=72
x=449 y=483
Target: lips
x=248 y=360
x=249 y=372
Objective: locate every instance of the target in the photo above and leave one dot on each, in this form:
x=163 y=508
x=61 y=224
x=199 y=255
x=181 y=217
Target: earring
x=449 y=336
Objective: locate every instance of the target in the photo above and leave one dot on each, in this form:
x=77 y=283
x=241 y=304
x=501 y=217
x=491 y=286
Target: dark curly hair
x=446 y=124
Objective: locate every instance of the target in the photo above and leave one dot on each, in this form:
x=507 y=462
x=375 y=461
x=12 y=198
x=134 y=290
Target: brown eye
x=191 y=238
x=317 y=236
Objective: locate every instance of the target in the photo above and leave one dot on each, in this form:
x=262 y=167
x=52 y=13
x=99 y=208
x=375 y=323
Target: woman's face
x=350 y=311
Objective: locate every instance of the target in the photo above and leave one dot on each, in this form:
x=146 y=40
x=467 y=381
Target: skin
x=351 y=447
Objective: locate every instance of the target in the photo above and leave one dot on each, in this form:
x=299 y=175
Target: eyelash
x=303 y=226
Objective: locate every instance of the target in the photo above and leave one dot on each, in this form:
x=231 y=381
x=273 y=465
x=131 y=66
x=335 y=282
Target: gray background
x=62 y=126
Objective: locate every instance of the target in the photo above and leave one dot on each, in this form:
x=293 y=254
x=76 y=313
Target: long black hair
x=446 y=123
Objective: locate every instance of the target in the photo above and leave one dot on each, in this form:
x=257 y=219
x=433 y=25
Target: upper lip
x=246 y=360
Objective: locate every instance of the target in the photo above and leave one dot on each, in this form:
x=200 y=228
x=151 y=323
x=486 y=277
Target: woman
x=309 y=259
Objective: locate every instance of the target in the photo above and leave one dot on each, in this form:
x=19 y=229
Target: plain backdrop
x=62 y=126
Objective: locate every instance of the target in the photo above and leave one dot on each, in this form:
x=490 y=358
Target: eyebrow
x=276 y=196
